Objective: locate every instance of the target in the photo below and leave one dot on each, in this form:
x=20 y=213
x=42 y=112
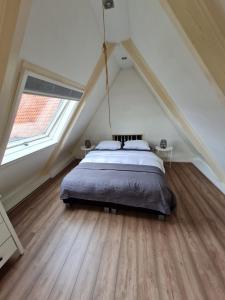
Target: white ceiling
x=116 y=20
x=120 y=52
x=117 y=27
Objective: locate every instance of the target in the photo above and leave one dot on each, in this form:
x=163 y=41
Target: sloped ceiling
x=116 y=20
x=91 y=106
x=13 y=22
x=203 y=24
x=63 y=36
x=165 y=51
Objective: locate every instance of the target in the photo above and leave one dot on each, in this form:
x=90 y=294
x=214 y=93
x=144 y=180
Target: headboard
x=126 y=137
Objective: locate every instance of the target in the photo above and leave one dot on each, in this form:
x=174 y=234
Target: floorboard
x=84 y=253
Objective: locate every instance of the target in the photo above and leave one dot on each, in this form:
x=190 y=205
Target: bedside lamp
x=163 y=143
x=87 y=143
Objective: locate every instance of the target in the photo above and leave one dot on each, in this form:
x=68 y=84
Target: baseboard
x=18 y=194
x=61 y=165
x=206 y=170
x=181 y=158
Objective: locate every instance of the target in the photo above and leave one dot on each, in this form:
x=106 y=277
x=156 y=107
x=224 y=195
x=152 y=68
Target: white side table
x=86 y=150
x=168 y=151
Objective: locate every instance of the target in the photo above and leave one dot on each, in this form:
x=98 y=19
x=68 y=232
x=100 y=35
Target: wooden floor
x=88 y=254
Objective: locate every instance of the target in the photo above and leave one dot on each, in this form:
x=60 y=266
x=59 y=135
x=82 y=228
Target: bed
x=120 y=179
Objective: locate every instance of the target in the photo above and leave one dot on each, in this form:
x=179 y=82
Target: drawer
x=6 y=251
x=4 y=233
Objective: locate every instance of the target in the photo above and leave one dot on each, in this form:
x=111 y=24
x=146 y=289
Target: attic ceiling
x=203 y=22
x=122 y=58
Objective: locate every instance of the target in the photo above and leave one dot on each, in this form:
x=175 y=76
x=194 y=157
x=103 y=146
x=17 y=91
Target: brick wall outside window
x=34 y=116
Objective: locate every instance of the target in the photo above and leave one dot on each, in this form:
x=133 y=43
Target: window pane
x=34 y=116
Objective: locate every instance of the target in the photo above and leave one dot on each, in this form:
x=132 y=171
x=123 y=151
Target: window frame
x=51 y=136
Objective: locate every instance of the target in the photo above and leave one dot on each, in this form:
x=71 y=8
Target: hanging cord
x=106 y=66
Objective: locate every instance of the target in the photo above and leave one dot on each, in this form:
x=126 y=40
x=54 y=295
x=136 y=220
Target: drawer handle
x=1 y=258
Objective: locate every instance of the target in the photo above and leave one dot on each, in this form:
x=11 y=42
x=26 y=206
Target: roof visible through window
x=34 y=116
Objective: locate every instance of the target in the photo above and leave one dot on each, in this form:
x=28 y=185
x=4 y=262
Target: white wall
x=205 y=169
x=134 y=109
x=15 y=172
x=165 y=51
x=21 y=177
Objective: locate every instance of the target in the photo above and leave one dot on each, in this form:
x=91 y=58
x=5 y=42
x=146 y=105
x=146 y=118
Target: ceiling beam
x=162 y=94
x=88 y=89
x=13 y=20
x=201 y=25
x=9 y=11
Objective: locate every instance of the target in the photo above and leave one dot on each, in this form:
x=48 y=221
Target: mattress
x=129 y=178
x=129 y=157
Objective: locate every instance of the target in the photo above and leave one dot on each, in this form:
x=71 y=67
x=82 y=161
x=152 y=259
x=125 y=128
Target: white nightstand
x=168 y=151
x=86 y=150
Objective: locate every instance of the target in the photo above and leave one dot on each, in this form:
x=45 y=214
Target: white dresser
x=9 y=241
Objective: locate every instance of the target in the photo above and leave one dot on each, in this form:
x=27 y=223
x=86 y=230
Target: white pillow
x=109 y=145
x=136 y=145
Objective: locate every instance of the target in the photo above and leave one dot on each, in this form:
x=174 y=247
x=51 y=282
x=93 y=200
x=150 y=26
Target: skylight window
x=34 y=117
x=44 y=108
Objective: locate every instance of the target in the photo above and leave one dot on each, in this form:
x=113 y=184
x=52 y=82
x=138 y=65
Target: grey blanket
x=130 y=185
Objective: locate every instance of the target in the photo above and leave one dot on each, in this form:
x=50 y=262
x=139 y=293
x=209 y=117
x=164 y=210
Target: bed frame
x=112 y=207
